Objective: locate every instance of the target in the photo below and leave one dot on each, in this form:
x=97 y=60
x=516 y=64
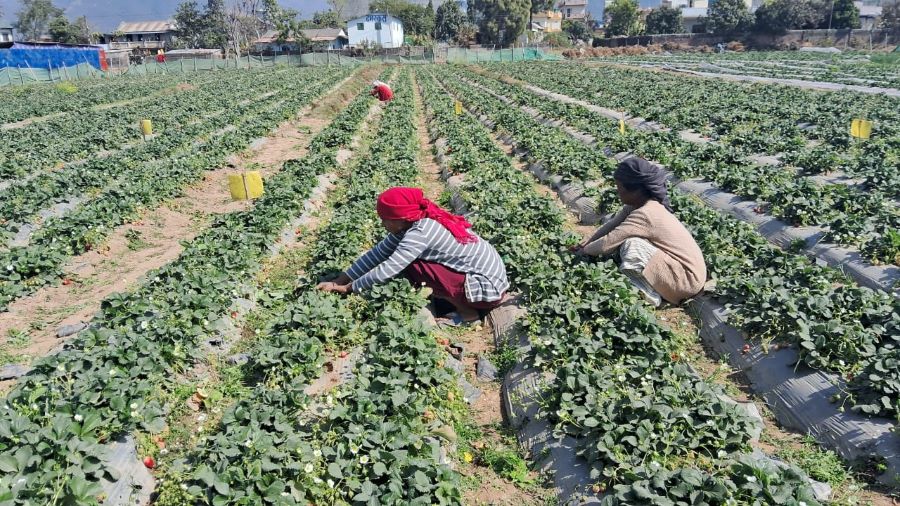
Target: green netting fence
x=21 y=76
x=17 y=75
x=463 y=55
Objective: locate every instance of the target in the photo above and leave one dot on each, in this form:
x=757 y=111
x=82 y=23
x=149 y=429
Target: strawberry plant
x=774 y=295
x=615 y=386
x=107 y=381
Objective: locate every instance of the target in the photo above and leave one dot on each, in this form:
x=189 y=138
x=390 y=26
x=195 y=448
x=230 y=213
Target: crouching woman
x=430 y=246
x=654 y=249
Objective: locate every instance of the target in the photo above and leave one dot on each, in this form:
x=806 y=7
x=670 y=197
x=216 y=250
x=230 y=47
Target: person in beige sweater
x=655 y=250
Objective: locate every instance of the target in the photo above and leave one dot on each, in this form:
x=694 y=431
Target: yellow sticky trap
x=247 y=185
x=146 y=127
x=458 y=107
x=621 y=126
x=861 y=128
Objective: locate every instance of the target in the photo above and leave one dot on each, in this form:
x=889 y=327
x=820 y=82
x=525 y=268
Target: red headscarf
x=410 y=204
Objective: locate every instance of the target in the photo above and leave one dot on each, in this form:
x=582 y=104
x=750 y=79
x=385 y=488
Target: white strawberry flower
x=330 y=483
x=79 y=418
x=751 y=479
x=317 y=453
x=364 y=460
x=308 y=468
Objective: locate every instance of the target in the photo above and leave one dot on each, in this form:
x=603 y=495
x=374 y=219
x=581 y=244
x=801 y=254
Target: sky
x=105 y=15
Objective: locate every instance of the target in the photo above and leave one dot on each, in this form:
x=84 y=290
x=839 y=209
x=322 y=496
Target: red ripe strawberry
x=746 y=349
x=149 y=462
x=343 y=354
x=234 y=314
x=67 y=282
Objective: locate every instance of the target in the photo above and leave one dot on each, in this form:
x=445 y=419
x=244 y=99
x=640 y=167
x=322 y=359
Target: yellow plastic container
x=146 y=127
x=246 y=185
x=861 y=129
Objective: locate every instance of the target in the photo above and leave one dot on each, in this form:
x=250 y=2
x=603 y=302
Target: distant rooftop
x=146 y=26
x=313 y=34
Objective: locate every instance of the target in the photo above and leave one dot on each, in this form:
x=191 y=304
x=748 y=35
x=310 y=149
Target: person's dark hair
x=637 y=174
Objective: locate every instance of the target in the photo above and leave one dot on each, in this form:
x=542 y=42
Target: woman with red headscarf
x=382 y=91
x=429 y=246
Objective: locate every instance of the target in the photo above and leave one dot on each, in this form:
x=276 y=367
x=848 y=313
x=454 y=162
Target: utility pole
x=831 y=16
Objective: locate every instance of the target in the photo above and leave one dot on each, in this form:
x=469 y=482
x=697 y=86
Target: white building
x=573 y=9
x=375 y=29
x=693 y=17
x=6 y=31
x=148 y=35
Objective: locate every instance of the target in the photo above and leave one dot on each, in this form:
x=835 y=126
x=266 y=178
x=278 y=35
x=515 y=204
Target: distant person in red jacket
x=160 y=57
x=382 y=91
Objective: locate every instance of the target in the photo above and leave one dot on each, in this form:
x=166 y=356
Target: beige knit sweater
x=677 y=271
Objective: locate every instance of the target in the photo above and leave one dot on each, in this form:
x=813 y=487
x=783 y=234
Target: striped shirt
x=430 y=241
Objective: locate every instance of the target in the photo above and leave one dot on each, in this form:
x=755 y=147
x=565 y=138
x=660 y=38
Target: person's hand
x=577 y=248
x=329 y=286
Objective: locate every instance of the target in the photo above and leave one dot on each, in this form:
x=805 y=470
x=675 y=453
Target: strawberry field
x=216 y=373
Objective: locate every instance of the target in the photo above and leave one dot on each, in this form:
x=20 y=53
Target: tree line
x=728 y=17
x=234 y=26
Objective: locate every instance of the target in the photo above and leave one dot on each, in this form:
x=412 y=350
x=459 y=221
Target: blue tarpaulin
x=45 y=56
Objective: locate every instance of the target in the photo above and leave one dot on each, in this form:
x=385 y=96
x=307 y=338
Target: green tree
x=774 y=16
x=322 y=19
x=577 y=30
x=729 y=17
x=215 y=25
x=449 y=21
x=664 y=19
x=777 y=16
x=77 y=32
x=189 y=25
x=542 y=5
x=416 y=19
x=558 y=39
x=844 y=15
x=501 y=21
x=35 y=17
x=622 y=18
x=890 y=17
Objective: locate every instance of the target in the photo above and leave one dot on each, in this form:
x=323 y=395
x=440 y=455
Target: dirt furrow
x=29 y=328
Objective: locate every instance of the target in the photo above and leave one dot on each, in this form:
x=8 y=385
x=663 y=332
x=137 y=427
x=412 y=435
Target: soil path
x=482 y=485
x=155 y=239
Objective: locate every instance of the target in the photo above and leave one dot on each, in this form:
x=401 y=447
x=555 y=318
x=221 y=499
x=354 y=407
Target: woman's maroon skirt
x=445 y=283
